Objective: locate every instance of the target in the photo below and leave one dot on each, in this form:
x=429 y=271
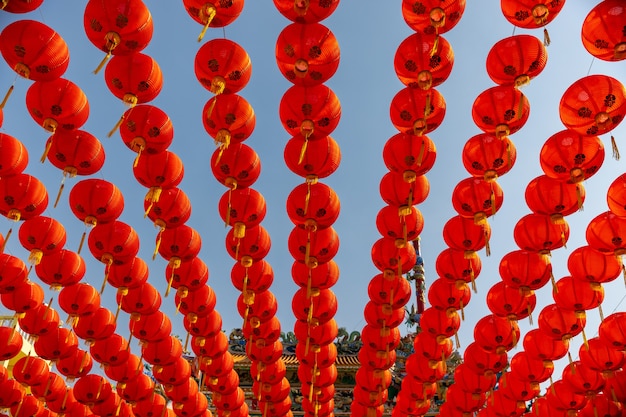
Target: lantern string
x=615 y=149
x=61 y=187
x=7 y=95
x=46 y=150
x=546 y=37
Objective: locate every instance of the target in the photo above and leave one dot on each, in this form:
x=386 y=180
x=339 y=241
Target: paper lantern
x=423 y=60
x=599 y=32
x=134 y=79
x=222 y=66
x=317 y=158
x=516 y=60
x=489 y=157
x=417 y=111
x=313 y=112
x=569 y=156
x=146 y=128
x=530 y=13
x=432 y=16
x=57 y=104
x=306 y=11
x=500 y=110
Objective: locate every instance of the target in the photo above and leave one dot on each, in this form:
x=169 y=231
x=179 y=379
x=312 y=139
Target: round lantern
x=404 y=152
x=616 y=196
x=559 y=323
x=79 y=299
x=313 y=206
x=146 y=128
x=462 y=233
x=13 y=344
x=484 y=362
x=13 y=272
x=130 y=274
x=496 y=334
x=113 y=243
x=582 y=379
x=96 y=201
x=417 y=111
x=92 y=389
x=41 y=235
x=23 y=197
x=242 y=208
x=540 y=233
x=189 y=275
x=21 y=6
x=541 y=345
x=600 y=31
x=605 y=233
x=324 y=275
x=113 y=350
x=601 y=356
x=179 y=244
x=222 y=66
x=432 y=16
x=516 y=60
x=395 y=291
x=134 y=78
x=530 y=14
x=39 y=320
x=57 y=344
x=400 y=190
x=317 y=308
x=553 y=197
x=562 y=398
x=477 y=198
x=162 y=352
x=489 y=157
x=31 y=370
x=500 y=110
x=593 y=105
x=613 y=331
x=251 y=247
x=569 y=156
x=213 y=13
x=307 y=54
x=238 y=166
x=423 y=60
x=316 y=335
x=13 y=155
x=307 y=11
x=317 y=158
x=229 y=119
x=75 y=152
x=393 y=256
x=151 y=327
x=34 y=50
x=526 y=270
x=141 y=300
x=430 y=348
x=509 y=302
x=172 y=210
x=440 y=324
x=472 y=382
x=159 y=171
x=57 y=104
x=588 y=264
x=25 y=296
x=96 y=325
x=601 y=404
x=312 y=112
x=578 y=295
x=383 y=316
x=458 y=265
x=313 y=248
x=444 y=294
x=175 y=373
x=404 y=223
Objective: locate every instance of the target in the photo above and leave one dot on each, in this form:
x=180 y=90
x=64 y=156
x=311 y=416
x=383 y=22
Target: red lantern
x=593 y=105
x=559 y=323
x=162 y=352
x=496 y=334
x=463 y=401
x=31 y=371
x=500 y=110
x=423 y=60
x=471 y=382
x=561 y=397
x=464 y=234
x=440 y=324
x=404 y=152
x=21 y=6
x=57 y=104
x=516 y=60
x=313 y=248
x=134 y=78
x=606 y=233
x=324 y=275
x=599 y=31
x=540 y=233
x=477 y=198
x=175 y=373
x=245 y=207
x=312 y=112
x=404 y=223
x=34 y=50
x=570 y=156
x=213 y=13
x=39 y=321
x=146 y=128
x=230 y=119
x=528 y=368
x=158 y=171
x=141 y=300
x=251 y=247
x=130 y=274
x=526 y=270
x=13 y=344
x=586 y=263
x=578 y=295
x=210 y=347
x=444 y=295
x=57 y=344
x=316 y=308
x=28 y=406
x=484 y=362
x=316 y=335
x=271 y=372
x=583 y=380
x=61 y=269
x=24 y=297
x=429 y=347
x=603 y=405
x=553 y=197
x=113 y=243
x=179 y=244
x=317 y=158
x=393 y=256
x=307 y=54
x=113 y=350
x=96 y=325
x=23 y=197
x=394 y=292
x=190 y=275
x=313 y=206
x=541 y=345
x=172 y=210
x=154 y=405
x=96 y=201
x=41 y=236
x=196 y=303
x=489 y=157
x=417 y=111
x=432 y=16
x=616 y=196
x=13 y=155
x=400 y=190
x=79 y=299
x=75 y=152
x=11 y=393
x=455 y=265
x=613 y=330
x=530 y=14
x=222 y=66
x=151 y=327
x=77 y=365
x=306 y=11
x=238 y=166
x=13 y=272
x=92 y=389
x=601 y=356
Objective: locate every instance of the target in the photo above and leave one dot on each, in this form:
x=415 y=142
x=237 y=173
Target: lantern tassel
x=61 y=187
x=420 y=156
x=82 y=242
x=601 y=312
x=136 y=161
x=614 y=148
x=46 y=150
x=487 y=246
x=529 y=308
x=554 y=287
x=579 y=198
x=457 y=341
x=303 y=149
x=6 y=239
x=546 y=37
x=6 y=96
x=228 y=208
x=158 y=242
x=307 y=198
x=117 y=126
x=462 y=310
x=520 y=106
x=585 y=339
x=210 y=17
x=435 y=47
x=104 y=61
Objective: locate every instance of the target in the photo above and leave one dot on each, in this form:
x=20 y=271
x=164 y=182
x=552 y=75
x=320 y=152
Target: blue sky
x=368 y=33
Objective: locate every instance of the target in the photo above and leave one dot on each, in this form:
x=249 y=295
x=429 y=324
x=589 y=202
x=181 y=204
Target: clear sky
x=368 y=33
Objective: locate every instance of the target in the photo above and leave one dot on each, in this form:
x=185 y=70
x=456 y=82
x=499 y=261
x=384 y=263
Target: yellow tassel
x=6 y=96
x=508 y=155
x=435 y=47
x=6 y=239
x=530 y=313
x=457 y=341
x=601 y=312
x=520 y=107
x=210 y=16
x=579 y=197
x=61 y=187
x=229 y=207
x=46 y=150
x=546 y=37
x=462 y=310
x=158 y=242
x=101 y=64
x=614 y=148
x=492 y=200
x=427 y=106
x=420 y=156
x=307 y=198
x=307 y=251
x=117 y=126
x=136 y=161
x=585 y=339
x=303 y=148
x=487 y=246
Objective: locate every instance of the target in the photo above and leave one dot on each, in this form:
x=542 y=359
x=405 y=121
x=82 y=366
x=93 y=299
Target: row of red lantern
x=308 y=55
x=224 y=68
x=422 y=61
